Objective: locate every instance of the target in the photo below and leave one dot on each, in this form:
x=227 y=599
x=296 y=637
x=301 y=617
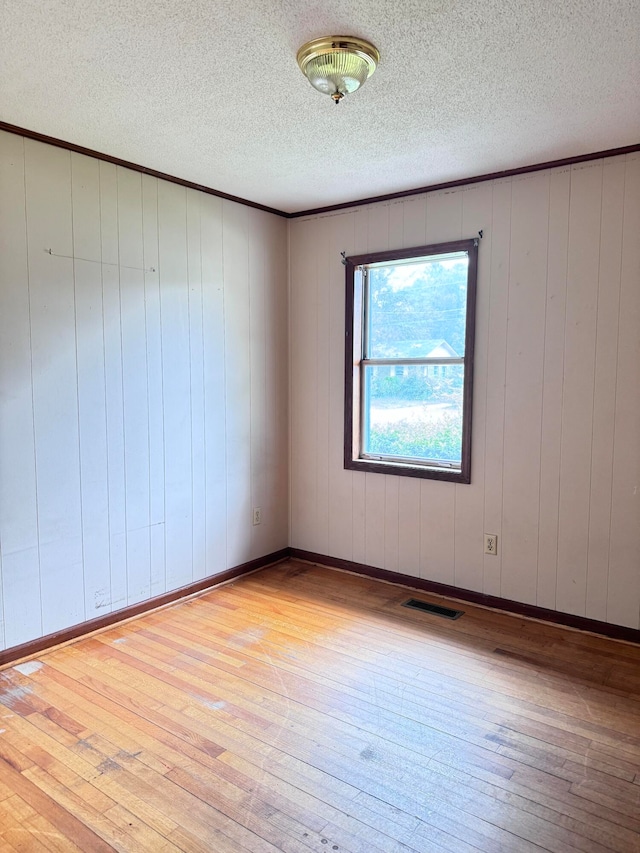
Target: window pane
x=414 y=413
x=418 y=310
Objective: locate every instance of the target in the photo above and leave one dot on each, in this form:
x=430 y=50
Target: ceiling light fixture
x=337 y=65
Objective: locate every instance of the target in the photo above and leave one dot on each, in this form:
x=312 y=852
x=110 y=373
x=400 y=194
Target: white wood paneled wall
x=556 y=428
x=143 y=387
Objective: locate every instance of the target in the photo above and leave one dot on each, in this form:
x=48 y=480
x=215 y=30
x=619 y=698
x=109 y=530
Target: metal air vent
x=436 y=609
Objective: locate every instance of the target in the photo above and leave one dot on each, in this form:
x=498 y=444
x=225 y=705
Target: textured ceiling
x=210 y=91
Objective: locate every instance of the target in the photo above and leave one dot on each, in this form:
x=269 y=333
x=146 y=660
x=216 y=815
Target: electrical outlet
x=257 y=515
x=490 y=544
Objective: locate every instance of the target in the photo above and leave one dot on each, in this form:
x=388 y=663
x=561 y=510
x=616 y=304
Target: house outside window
x=409 y=361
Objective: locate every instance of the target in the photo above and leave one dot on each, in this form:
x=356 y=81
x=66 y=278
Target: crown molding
x=331 y=208
x=136 y=167
x=462 y=182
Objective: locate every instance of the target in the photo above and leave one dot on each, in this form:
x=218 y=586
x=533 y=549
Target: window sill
x=400 y=469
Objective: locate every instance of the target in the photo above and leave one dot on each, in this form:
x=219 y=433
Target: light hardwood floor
x=301 y=709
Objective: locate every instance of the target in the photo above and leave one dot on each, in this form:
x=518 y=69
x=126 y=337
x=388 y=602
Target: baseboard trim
x=32 y=647
x=581 y=623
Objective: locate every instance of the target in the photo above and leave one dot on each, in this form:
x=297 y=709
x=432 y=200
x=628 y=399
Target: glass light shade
x=337 y=65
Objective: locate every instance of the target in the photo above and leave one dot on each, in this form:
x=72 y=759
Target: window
x=409 y=361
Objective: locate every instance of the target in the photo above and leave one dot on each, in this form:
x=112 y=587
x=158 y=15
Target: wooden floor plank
x=65 y=822
x=303 y=709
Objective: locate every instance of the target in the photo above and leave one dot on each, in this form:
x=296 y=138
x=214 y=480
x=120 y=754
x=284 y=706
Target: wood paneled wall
x=143 y=387
x=556 y=429
x=143 y=390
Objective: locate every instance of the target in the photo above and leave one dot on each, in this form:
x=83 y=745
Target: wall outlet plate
x=491 y=544
x=257 y=515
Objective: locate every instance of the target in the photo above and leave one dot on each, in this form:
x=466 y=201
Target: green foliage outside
x=439 y=440
x=417 y=303
x=400 y=390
